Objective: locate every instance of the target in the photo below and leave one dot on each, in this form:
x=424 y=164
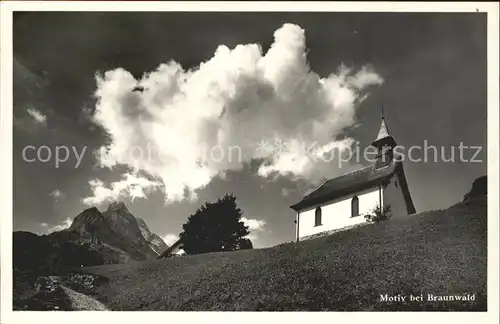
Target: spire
x=383 y=131
x=383 y=137
x=384 y=144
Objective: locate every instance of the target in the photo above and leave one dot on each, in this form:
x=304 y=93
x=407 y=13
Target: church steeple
x=384 y=137
x=384 y=144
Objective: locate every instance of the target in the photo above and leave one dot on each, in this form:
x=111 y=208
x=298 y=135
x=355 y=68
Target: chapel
x=341 y=203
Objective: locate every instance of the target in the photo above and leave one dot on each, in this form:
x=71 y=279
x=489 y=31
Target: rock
x=44 y=284
x=81 y=281
x=479 y=188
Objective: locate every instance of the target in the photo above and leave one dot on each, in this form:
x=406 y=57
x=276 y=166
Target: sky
x=134 y=104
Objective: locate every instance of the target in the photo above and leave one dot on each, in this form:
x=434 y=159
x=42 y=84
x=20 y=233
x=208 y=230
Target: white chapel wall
x=393 y=196
x=337 y=214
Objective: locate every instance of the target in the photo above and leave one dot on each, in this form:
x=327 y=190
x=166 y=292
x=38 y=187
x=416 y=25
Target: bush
x=377 y=214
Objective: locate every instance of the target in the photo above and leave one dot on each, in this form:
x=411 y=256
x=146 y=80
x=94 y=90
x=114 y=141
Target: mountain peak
x=91 y=210
x=89 y=216
x=117 y=205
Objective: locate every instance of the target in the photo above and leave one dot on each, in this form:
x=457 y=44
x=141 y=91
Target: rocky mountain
x=155 y=242
x=94 y=238
x=116 y=228
x=112 y=236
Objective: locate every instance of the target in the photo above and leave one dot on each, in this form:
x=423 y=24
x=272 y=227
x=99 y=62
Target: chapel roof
x=367 y=177
x=347 y=184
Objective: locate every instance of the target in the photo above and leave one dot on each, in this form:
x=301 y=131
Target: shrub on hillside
x=377 y=214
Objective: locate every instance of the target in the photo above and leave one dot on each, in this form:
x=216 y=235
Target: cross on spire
x=382 y=103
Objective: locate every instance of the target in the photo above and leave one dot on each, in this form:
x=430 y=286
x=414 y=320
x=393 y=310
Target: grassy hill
x=438 y=252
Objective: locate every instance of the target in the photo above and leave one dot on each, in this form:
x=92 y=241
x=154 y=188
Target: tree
x=245 y=244
x=215 y=227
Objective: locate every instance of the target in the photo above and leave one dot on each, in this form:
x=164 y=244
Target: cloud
x=38 y=117
x=56 y=194
x=28 y=93
x=27 y=83
x=285 y=192
x=64 y=225
x=31 y=122
x=131 y=185
x=185 y=127
x=170 y=239
x=254 y=226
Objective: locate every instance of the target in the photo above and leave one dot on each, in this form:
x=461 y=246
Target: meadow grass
x=438 y=252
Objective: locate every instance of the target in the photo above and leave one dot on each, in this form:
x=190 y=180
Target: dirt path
x=52 y=295
x=81 y=301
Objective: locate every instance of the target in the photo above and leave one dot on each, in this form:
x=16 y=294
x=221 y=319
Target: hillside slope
x=438 y=252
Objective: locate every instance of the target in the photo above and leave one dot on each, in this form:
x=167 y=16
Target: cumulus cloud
x=64 y=225
x=184 y=127
x=170 y=239
x=254 y=224
x=37 y=116
x=131 y=185
x=254 y=227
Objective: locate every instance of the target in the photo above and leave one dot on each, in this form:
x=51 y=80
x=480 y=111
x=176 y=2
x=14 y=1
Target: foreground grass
x=438 y=252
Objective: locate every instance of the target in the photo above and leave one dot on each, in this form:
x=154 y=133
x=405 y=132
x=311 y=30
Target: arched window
x=355 y=206
x=317 y=217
